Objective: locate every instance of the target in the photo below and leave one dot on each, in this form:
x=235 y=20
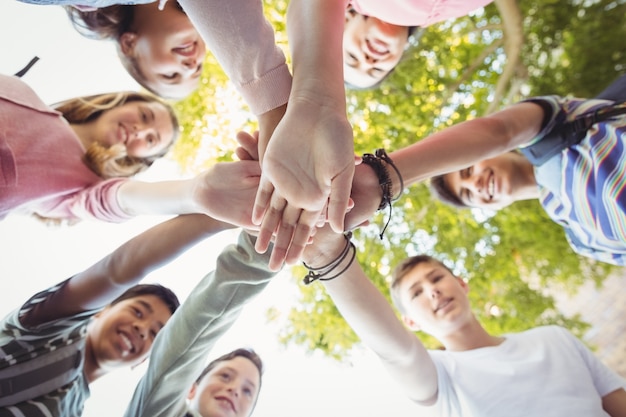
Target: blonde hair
x=112 y=162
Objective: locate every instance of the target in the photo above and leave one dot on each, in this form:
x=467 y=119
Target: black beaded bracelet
x=321 y=273
x=384 y=180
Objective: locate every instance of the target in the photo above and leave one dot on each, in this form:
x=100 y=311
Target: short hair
x=112 y=162
x=440 y=190
x=249 y=354
x=165 y=294
x=401 y=270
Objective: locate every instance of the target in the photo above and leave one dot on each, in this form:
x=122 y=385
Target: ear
x=463 y=284
x=411 y=324
x=127 y=42
x=192 y=391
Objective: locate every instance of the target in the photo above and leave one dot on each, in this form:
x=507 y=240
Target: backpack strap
x=28 y=66
x=569 y=133
x=40 y=375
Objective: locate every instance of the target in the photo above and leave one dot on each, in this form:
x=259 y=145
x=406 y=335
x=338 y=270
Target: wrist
x=325 y=267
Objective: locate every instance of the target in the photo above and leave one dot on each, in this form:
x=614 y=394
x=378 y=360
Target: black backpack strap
x=28 y=66
x=566 y=134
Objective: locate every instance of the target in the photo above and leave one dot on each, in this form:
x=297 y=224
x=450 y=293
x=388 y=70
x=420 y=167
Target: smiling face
x=145 y=128
x=166 y=50
x=493 y=183
x=123 y=334
x=434 y=300
x=371 y=48
x=231 y=388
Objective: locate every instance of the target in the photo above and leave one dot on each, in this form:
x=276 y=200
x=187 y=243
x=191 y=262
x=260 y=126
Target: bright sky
x=35 y=256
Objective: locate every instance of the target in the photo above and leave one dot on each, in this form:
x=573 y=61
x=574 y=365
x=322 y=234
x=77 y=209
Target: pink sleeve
x=97 y=202
x=242 y=40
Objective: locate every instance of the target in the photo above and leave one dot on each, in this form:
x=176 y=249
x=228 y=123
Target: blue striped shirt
x=588 y=197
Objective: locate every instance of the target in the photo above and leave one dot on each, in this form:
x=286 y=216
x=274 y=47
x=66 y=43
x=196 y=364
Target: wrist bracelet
x=384 y=180
x=322 y=272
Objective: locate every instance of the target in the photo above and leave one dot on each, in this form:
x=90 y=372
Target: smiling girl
x=74 y=160
x=160 y=49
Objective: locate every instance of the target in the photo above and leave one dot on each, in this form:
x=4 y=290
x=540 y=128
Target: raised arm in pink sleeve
x=242 y=40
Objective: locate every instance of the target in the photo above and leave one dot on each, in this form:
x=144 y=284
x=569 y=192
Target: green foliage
x=449 y=74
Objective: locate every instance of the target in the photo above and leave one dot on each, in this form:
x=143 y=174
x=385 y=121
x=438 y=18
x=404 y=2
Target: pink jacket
x=41 y=167
x=416 y=12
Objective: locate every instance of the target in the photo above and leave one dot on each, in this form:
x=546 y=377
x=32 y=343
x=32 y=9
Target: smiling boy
x=230 y=385
x=75 y=332
x=543 y=371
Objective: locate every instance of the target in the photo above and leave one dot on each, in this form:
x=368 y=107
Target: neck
x=471 y=336
x=527 y=187
x=91 y=369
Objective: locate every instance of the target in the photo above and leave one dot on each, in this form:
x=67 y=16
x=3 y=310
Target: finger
x=304 y=229
x=262 y=199
x=243 y=155
x=270 y=223
x=339 y=200
x=284 y=235
x=249 y=143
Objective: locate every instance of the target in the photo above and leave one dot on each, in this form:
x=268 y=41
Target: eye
x=248 y=392
x=417 y=293
x=437 y=278
x=153 y=333
x=144 y=116
x=138 y=313
x=225 y=376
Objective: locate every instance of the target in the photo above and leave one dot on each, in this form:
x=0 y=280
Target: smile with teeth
x=129 y=348
x=377 y=47
x=491 y=187
x=187 y=50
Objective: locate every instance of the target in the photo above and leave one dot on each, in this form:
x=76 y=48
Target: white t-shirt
x=545 y=371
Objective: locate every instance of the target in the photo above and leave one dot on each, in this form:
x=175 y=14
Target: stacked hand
x=307 y=172
x=365 y=195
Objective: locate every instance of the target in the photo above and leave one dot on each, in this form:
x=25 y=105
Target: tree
x=453 y=71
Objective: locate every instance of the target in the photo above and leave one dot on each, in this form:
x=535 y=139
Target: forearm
x=469 y=142
x=209 y=311
x=157 y=198
x=369 y=314
x=242 y=40
x=141 y=255
x=315 y=31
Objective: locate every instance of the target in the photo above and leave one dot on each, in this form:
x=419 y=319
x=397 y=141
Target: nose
x=434 y=292
x=369 y=59
x=473 y=183
x=190 y=63
x=233 y=390
x=141 y=330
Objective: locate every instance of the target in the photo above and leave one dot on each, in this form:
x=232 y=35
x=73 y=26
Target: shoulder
x=16 y=91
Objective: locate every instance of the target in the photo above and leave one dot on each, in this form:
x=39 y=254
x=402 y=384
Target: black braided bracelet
x=376 y=162
x=321 y=273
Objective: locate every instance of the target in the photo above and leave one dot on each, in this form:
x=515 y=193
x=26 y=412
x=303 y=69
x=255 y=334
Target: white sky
x=34 y=256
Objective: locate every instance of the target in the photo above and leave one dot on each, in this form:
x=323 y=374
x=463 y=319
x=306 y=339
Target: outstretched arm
x=308 y=164
x=466 y=143
x=225 y=192
x=104 y=281
x=367 y=311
